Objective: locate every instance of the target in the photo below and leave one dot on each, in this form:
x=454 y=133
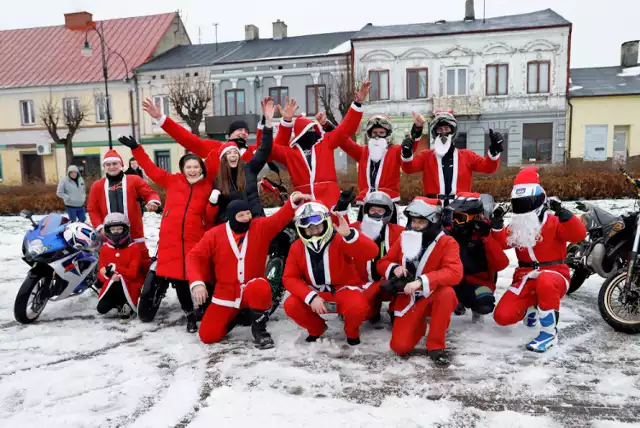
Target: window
x=497 y=79
x=417 y=83
x=279 y=94
x=27 y=113
x=379 y=85
x=315 y=94
x=537 y=142
x=101 y=112
x=162 y=101
x=163 y=159
x=456 y=81
x=71 y=106
x=538 y=77
x=234 y=102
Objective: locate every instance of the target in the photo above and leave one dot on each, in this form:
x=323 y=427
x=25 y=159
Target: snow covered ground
x=74 y=368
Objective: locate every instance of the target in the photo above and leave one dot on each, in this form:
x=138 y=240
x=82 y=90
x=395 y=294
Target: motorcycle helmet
x=443 y=118
x=426 y=208
x=116 y=229
x=379 y=121
x=382 y=200
x=464 y=212
x=313 y=214
x=80 y=235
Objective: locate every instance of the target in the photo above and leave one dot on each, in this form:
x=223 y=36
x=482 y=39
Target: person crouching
x=119 y=269
x=321 y=268
x=425 y=253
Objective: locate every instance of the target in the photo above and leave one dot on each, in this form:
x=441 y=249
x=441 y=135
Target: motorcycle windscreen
x=51 y=224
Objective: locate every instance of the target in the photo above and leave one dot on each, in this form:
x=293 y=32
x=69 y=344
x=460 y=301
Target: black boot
x=192 y=325
x=460 y=309
x=353 y=342
x=261 y=338
x=440 y=357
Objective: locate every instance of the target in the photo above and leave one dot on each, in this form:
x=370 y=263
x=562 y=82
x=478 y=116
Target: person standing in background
x=72 y=191
x=134 y=168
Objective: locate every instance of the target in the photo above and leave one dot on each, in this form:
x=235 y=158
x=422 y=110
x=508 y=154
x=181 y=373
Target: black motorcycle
x=619 y=297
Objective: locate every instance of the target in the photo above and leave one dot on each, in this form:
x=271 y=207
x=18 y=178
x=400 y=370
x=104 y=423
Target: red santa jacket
x=552 y=247
x=392 y=234
x=133 y=188
x=206 y=149
x=319 y=179
x=340 y=258
x=465 y=163
x=439 y=266
x=127 y=264
x=184 y=217
x=234 y=267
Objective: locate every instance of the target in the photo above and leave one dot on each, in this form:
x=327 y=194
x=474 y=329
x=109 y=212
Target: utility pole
x=484 y=11
x=215 y=24
x=199 y=35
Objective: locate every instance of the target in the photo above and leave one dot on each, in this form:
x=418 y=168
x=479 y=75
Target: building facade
x=507 y=73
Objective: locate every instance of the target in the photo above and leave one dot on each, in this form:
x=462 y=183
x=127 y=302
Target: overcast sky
x=599 y=27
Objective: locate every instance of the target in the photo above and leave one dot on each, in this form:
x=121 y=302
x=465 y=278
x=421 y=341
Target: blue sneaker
x=548 y=335
x=531 y=317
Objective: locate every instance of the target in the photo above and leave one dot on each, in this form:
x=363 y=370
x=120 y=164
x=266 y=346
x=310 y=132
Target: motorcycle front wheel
x=32 y=296
x=620 y=306
x=151 y=295
x=274 y=271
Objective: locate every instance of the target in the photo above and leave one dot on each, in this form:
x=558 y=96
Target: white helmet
x=379 y=121
x=80 y=235
x=314 y=214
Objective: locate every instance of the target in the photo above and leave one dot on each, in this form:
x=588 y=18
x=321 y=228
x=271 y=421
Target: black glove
x=497 y=219
x=562 y=213
x=109 y=271
x=581 y=206
x=396 y=285
x=329 y=126
x=416 y=132
x=407 y=147
x=483 y=228
x=496 y=143
x=346 y=197
x=129 y=142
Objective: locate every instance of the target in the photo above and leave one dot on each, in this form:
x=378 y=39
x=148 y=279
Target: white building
x=506 y=73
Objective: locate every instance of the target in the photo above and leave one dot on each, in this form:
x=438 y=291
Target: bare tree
x=74 y=114
x=190 y=95
x=339 y=89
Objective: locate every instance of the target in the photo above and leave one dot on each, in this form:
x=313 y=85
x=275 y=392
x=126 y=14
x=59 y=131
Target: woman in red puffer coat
x=183 y=221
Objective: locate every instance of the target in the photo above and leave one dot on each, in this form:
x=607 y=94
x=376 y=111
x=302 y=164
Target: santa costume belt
x=538 y=265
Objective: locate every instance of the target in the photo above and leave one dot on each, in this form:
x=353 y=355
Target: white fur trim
x=426 y=289
x=162 y=119
x=286 y=123
x=493 y=158
x=354 y=239
x=260 y=125
x=454 y=176
x=124 y=195
x=112 y=159
x=228 y=148
x=154 y=201
x=123 y=284
x=356 y=108
x=310 y=125
x=213 y=198
x=390 y=269
x=240 y=254
x=310 y=296
x=195 y=284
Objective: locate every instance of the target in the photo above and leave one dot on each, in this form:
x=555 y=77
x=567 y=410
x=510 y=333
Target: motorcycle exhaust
x=595 y=260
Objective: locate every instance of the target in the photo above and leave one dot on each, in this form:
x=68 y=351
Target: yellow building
x=604 y=112
x=68 y=79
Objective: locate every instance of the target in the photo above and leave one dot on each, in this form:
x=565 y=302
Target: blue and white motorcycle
x=64 y=262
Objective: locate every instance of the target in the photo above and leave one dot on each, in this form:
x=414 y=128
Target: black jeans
x=113 y=298
x=475 y=297
x=184 y=294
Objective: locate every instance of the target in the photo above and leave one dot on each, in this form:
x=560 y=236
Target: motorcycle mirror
x=26 y=214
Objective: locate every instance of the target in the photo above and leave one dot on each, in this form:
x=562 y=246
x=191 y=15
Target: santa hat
x=112 y=156
x=527 y=183
x=301 y=125
x=226 y=147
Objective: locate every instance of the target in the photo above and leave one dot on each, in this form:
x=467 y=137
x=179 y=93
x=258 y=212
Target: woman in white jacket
x=72 y=191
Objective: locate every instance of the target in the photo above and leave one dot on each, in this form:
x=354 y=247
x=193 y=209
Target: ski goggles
x=312 y=220
x=462 y=218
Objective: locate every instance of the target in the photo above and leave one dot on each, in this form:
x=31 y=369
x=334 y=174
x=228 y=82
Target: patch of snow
x=344 y=47
x=575 y=88
x=630 y=71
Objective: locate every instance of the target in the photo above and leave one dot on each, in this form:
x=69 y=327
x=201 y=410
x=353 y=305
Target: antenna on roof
x=215 y=24
x=199 y=35
x=484 y=11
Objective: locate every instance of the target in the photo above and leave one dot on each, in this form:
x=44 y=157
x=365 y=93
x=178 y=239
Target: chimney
x=78 y=21
x=251 y=32
x=629 y=54
x=469 y=12
x=279 y=30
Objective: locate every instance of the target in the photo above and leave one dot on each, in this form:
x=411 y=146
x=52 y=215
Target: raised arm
x=260 y=157
x=487 y=164
x=350 y=147
x=414 y=163
x=158 y=175
x=349 y=126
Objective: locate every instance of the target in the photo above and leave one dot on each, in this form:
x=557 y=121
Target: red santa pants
x=257 y=295
x=375 y=297
x=545 y=291
x=411 y=327
x=351 y=304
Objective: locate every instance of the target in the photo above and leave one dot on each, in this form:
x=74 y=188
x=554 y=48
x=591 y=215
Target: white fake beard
x=524 y=230
x=442 y=147
x=370 y=227
x=411 y=244
x=377 y=148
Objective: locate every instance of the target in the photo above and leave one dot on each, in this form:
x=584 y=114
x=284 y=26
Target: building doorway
x=32 y=168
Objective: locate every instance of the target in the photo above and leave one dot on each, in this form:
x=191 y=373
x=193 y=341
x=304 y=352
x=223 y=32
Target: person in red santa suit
x=119 y=193
x=481 y=254
x=540 y=240
x=447 y=170
x=378 y=161
x=119 y=269
x=426 y=253
x=376 y=224
x=321 y=269
x=309 y=157
x=238 y=250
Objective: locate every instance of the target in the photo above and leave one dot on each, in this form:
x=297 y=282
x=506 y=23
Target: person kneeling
x=119 y=269
x=238 y=249
x=321 y=268
x=423 y=252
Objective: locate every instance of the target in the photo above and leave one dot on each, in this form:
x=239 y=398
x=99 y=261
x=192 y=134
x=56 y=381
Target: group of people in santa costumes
x=443 y=260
